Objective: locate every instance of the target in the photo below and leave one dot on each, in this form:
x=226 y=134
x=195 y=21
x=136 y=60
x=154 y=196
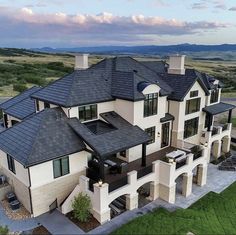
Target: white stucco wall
x=21 y=172
x=178 y=110
x=43 y=173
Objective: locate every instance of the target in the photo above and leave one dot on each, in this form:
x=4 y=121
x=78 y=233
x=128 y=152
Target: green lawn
x=213 y=214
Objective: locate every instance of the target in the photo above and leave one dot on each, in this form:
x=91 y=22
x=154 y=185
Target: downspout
x=29 y=188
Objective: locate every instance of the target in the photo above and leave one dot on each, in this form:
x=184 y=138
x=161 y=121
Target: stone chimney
x=81 y=61
x=176 y=64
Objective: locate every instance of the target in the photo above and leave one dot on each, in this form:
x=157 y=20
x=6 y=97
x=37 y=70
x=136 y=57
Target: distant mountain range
x=148 y=50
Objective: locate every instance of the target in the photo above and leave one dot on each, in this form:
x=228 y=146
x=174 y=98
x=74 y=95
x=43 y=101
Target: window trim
x=188 y=104
x=193 y=93
x=150 y=101
x=61 y=168
x=152 y=134
x=191 y=123
x=91 y=112
x=11 y=164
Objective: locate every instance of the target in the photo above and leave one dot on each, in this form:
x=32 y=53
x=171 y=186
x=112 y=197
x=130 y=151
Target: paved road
x=228 y=99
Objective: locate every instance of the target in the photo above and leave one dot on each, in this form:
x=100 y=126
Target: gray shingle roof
x=41 y=137
x=24 y=95
x=22 y=109
x=157 y=66
x=181 y=84
x=168 y=117
x=78 y=88
x=218 y=108
x=123 y=137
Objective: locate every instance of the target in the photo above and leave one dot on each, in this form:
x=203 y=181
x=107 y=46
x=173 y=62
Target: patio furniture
x=110 y=162
x=123 y=167
x=114 y=170
x=11 y=197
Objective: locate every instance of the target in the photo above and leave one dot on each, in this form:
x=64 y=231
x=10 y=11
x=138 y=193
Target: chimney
x=176 y=64
x=81 y=61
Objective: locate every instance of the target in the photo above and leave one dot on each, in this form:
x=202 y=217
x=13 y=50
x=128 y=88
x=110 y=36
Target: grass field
x=212 y=214
x=28 y=68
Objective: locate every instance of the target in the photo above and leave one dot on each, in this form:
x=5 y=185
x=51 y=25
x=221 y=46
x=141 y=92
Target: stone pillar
x=216 y=148
x=187 y=184
x=154 y=191
x=132 y=201
x=201 y=175
x=226 y=144
x=101 y=210
x=167 y=193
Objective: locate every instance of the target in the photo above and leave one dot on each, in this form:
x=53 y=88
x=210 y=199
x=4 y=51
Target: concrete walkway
x=57 y=223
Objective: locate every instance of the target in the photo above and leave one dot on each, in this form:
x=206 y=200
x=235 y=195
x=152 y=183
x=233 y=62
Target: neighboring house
x=109 y=129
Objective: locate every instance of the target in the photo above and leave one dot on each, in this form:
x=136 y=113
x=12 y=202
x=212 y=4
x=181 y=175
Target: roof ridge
x=20 y=94
x=32 y=147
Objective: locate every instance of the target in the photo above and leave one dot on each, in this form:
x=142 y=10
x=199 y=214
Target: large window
x=61 y=167
x=46 y=105
x=151 y=132
x=11 y=164
x=192 y=105
x=88 y=112
x=193 y=93
x=150 y=104
x=191 y=127
x=214 y=95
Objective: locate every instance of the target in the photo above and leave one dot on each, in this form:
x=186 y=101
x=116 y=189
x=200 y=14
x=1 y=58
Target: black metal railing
x=118 y=183
x=214 y=131
x=225 y=127
x=198 y=154
x=144 y=171
x=181 y=163
x=91 y=183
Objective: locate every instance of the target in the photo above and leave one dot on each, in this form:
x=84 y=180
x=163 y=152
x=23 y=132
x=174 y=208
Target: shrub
x=4 y=230
x=19 y=87
x=81 y=207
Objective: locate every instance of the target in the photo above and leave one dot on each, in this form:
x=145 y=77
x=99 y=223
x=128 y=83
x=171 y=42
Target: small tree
x=4 y=230
x=81 y=207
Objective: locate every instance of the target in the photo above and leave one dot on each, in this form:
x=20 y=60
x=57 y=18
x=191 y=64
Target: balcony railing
x=144 y=171
x=180 y=164
x=118 y=183
x=214 y=131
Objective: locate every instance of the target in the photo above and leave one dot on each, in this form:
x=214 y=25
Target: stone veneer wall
x=59 y=189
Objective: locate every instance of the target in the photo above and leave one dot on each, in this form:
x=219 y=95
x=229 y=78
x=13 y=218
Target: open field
x=212 y=214
x=20 y=69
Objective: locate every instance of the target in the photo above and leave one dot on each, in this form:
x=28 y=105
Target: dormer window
x=214 y=95
x=150 y=104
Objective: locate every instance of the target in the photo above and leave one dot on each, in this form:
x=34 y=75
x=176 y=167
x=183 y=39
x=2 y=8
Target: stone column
x=101 y=210
x=167 y=193
x=187 y=184
x=226 y=144
x=202 y=175
x=132 y=201
x=217 y=148
x=154 y=191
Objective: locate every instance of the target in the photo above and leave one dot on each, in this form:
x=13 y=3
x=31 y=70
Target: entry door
x=165 y=134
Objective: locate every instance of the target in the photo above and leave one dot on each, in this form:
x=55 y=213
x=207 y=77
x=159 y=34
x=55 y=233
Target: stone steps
x=228 y=165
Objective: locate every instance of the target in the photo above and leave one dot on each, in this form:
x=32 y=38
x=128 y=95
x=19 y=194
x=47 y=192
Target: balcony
x=116 y=175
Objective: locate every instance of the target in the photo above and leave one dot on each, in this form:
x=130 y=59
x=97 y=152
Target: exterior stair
x=228 y=165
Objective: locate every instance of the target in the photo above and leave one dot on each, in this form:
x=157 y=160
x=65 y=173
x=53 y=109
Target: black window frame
x=193 y=93
x=214 y=95
x=151 y=131
x=150 y=105
x=93 y=112
x=62 y=171
x=191 y=127
x=189 y=106
x=11 y=164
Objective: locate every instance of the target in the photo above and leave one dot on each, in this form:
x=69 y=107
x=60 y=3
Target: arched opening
x=144 y=194
x=225 y=148
x=118 y=206
x=184 y=184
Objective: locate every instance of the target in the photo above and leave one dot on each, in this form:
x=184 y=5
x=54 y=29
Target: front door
x=165 y=134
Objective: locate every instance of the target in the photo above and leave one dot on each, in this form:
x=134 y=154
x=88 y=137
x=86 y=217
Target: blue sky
x=71 y=23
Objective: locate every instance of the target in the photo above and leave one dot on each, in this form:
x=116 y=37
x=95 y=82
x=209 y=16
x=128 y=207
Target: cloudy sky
x=73 y=23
